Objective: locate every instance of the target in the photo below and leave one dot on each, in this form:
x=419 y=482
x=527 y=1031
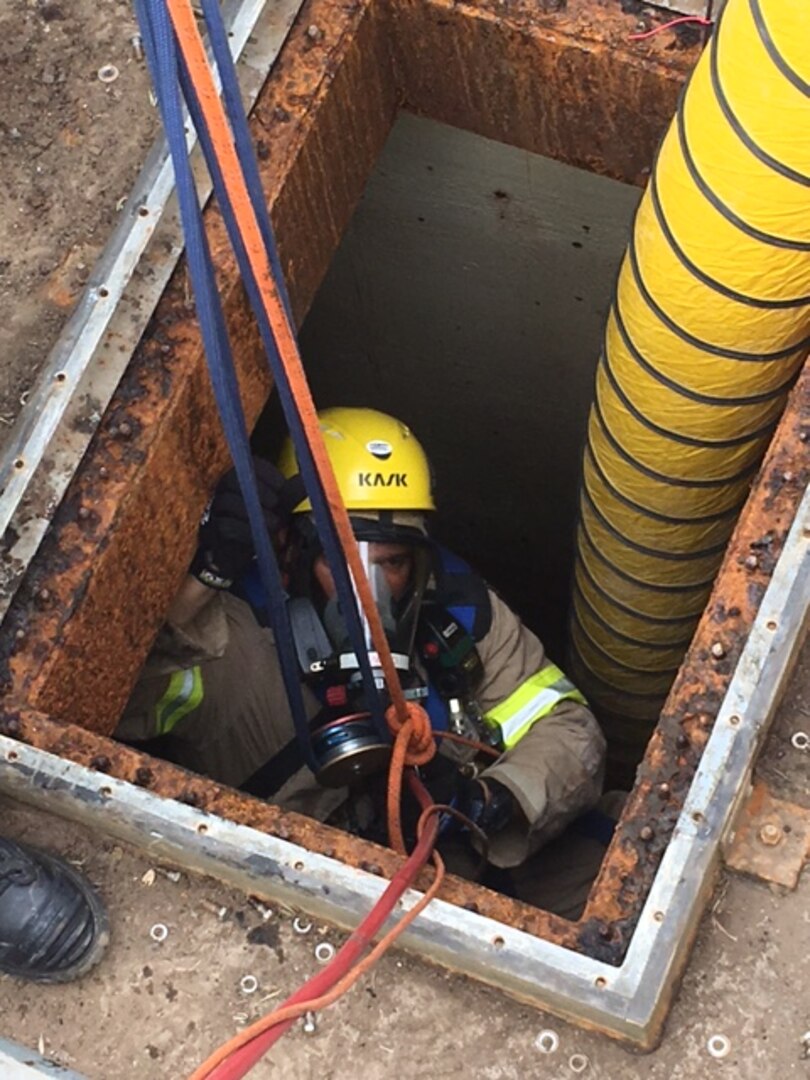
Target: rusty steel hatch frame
x=567 y=84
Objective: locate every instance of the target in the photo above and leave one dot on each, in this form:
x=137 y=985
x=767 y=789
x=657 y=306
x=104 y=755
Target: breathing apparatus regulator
x=384 y=479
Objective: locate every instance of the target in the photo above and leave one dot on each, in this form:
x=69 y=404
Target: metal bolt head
x=770 y=834
x=718 y=650
x=751 y=562
x=646 y=833
x=663 y=790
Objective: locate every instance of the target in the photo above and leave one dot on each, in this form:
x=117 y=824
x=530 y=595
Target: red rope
x=235 y=1058
x=667 y=25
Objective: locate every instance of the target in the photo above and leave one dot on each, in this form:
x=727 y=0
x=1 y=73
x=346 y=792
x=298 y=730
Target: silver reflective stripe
x=348 y=661
x=539 y=705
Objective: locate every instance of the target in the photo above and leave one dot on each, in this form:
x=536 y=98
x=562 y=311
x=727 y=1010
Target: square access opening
x=468 y=297
x=549 y=84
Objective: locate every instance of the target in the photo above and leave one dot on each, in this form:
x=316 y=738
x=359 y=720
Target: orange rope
x=193 y=50
x=413 y=745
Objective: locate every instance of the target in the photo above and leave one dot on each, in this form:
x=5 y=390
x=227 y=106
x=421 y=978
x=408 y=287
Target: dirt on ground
x=71 y=146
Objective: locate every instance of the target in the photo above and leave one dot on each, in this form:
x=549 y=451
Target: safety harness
x=459 y=602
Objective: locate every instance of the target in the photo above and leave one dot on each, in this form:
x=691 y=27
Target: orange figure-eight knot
x=421 y=746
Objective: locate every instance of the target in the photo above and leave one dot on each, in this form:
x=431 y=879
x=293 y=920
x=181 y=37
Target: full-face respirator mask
x=346 y=742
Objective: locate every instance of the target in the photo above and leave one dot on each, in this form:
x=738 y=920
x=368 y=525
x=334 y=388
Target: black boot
x=52 y=925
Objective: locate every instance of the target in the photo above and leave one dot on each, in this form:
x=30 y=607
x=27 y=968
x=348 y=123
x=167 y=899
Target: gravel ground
x=71 y=146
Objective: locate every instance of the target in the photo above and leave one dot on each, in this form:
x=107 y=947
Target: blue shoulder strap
x=462 y=592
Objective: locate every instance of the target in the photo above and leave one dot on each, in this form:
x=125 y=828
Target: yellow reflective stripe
x=183 y=694
x=533 y=699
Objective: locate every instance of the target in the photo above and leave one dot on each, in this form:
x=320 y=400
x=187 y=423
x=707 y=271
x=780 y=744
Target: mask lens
x=397 y=575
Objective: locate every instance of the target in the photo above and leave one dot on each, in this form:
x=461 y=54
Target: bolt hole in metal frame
x=630 y=1001
x=90 y=356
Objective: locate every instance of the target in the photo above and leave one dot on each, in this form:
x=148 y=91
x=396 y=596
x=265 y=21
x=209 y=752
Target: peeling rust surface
x=104 y=755
x=606 y=927
x=560 y=79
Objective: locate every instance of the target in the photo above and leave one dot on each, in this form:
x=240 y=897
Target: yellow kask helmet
x=378 y=462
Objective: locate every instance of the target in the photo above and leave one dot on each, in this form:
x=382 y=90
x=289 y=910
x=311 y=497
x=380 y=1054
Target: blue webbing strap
x=159 y=45
x=166 y=65
x=232 y=99
x=244 y=146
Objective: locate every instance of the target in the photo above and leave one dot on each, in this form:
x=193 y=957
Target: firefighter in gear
x=212 y=693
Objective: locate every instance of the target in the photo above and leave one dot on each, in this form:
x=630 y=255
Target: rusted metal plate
x=560 y=79
x=771 y=839
x=620 y=891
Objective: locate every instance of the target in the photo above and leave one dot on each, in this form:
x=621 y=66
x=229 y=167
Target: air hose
x=709 y=325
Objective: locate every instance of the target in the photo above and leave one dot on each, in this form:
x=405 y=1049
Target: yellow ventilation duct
x=709 y=325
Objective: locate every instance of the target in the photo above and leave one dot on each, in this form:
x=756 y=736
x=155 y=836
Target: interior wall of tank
x=468 y=297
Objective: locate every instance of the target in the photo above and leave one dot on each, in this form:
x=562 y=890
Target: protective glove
x=487 y=803
x=225 y=547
